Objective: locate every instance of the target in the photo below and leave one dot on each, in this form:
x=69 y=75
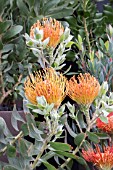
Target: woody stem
x=87 y=116
x=1 y=74
x=75 y=151
x=86 y=28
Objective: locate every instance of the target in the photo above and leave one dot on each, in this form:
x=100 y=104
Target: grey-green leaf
x=4 y=26
x=79 y=139
x=60 y=146
x=9 y=167
x=12 y=32
x=93 y=137
x=49 y=166
x=23 y=8
x=11 y=151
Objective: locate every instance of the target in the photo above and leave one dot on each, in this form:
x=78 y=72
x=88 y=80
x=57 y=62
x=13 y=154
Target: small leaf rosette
x=106 y=127
x=102 y=159
x=48 y=83
x=48 y=27
x=84 y=89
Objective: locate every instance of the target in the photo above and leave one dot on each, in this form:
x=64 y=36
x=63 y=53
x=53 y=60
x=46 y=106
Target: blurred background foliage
x=92 y=51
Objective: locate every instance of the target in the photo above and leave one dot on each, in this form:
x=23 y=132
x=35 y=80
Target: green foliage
x=27 y=11
x=79 y=138
x=49 y=166
x=93 y=137
x=11 y=43
x=16 y=117
x=11 y=151
x=60 y=146
x=98 y=61
x=70 y=155
x=86 y=13
x=89 y=29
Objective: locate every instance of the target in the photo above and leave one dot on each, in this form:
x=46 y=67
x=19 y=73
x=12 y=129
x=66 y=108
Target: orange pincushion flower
x=102 y=159
x=49 y=84
x=106 y=127
x=51 y=28
x=84 y=90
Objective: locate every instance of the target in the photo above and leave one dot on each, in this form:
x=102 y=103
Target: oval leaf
x=23 y=8
x=4 y=26
x=79 y=138
x=24 y=129
x=103 y=119
x=11 y=151
x=12 y=32
x=71 y=155
x=102 y=135
x=60 y=146
x=49 y=166
x=23 y=147
x=94 y=138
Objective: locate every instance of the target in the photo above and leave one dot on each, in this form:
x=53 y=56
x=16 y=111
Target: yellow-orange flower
x=47 y=83
x=51 y=28
x=106 y=127
x=101 y=159
x=83 y=90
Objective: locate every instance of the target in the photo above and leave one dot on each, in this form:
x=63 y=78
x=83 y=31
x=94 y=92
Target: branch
x=75 y=151
x=40 y=153
x=88 y=120
x=1 y=75
x=12 y=142
x=85 y=27
x=79 y=126
x=90 y=124
x=87 y=34
x=44 y=146
x=5 y=94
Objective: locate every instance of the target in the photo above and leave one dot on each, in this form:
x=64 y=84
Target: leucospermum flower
x=103 y=160
x=47 y=83
x=106 y=127
x=83 y=90
x=51 y=28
